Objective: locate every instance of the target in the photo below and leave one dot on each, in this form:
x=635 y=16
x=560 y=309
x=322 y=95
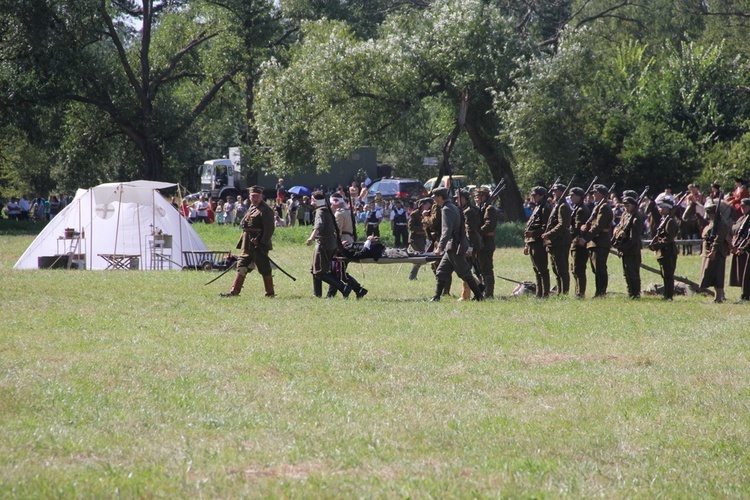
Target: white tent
x=116 y=224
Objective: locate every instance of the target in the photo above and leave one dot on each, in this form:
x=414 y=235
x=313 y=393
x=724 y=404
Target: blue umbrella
x=299 y=190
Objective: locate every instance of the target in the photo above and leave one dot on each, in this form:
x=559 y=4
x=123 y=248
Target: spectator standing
x=201 y=210
x=25 y=207
x=373 y=216
x=229 y=211
x=740 y=193
x=240 y=209
x=13 y=209
x=280 y=192
x=220 y=215
x=398 y=224
x=38 y=209
x=185 y=209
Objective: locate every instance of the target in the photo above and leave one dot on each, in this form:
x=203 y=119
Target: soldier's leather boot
x=476 y=289
x=359 y=290
x=489 y=286
x=268 y=284
x=317 y=287
x=719 y=296
x=239 y=280
x=439 y=288
x=447 y=286
x=335 y=282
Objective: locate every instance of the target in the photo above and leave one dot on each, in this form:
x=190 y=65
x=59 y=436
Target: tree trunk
x=500 y=168
x=153 y=160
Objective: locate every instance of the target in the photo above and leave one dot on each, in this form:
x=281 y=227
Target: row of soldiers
x=575 y=233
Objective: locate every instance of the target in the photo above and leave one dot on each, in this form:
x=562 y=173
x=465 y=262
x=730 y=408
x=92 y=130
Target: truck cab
x=220 y=179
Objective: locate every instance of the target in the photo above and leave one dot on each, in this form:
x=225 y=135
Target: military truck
x=223 y=178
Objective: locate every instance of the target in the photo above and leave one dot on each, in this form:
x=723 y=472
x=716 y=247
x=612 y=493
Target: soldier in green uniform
x=471 y=221
x=417 y=233
x=739 y=274
x=533 y=242
x=579 y=255
x=596 y=236
x=488 y=222
x=326 y=246
x=664 y=246
x=557 y=238
x=257 y=229
x=714 y=252
x=627 y=240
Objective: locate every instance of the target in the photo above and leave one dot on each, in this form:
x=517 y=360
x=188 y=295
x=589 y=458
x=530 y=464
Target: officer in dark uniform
x=596 y=236
x=664 y=246
x=257 y=229
x=534 y=244
x=488 y=216
x=453 y=246
x=557 y=238
x=627 y=240
x=579 y=255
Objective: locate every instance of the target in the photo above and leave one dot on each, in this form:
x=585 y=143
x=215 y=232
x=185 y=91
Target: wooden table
x=121 y=261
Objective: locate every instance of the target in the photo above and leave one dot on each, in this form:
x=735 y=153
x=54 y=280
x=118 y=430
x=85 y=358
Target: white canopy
x=130 y=219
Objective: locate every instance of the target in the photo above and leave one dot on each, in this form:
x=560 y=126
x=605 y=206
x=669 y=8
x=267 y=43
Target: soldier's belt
x=253 y=230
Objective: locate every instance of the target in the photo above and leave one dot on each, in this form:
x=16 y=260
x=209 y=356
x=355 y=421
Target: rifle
x=624 y=236
x=692 y=284
x=493 y=195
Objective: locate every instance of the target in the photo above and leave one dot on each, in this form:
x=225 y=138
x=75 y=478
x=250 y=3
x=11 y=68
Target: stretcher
x=389 y=256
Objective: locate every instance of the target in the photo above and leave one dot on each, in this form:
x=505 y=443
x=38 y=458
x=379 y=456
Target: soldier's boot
x=565 y=284
x=476 y=289
x=268 y=284
x=414 y=272
x=358 y=289
x=439 y=288
x=331 y=292
x=317 y=287
x=465 y=291
x=447 y=286
x=489 y=286
x=719 y=296
x=545 y=284
x=239 y=280
x=338 y=284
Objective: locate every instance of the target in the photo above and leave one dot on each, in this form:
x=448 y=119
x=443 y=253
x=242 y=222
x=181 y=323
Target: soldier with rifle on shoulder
x=627 y=240
x=664 y=246
x=488 y=216
x=417 y=232
x=714 y=251
x=595 y=235
x=533 y=241
x=557 y=236
x=579 y=255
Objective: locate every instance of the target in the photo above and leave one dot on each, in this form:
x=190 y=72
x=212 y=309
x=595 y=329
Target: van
x=459 y=180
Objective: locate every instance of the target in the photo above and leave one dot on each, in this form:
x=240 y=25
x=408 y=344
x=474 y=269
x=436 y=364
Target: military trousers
x=668 y=266
x=558 y=256
x=579 y=258
x=598 y=257
x=631 y=269
x=539 y=263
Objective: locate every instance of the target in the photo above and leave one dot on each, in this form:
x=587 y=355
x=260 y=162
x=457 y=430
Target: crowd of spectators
x=38 y=209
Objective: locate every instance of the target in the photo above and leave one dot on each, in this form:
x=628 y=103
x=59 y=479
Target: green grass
x=147 y=384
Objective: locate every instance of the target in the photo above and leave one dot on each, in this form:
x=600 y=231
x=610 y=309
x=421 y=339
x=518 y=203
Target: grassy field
x=146 y=384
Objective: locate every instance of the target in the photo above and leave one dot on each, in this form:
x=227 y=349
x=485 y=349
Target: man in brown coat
x=579 y=255
x=257 y=229
x=417 y=232
x=628 y=241
x=596 y=236
x=533 y=242
x=557 y=238
x=664 y=246
x=488 y=222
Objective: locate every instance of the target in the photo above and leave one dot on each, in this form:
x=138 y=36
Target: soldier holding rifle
x=627 y=240
x=579 y=255
x=714 y=252
x=557 y=237
x=488 y=222
x=534 y=243
x=664 y=246
x=595 y=235
x=257 y=229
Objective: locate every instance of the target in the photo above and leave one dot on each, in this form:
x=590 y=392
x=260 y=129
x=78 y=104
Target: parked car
x=393 y=187
x=458 y=180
